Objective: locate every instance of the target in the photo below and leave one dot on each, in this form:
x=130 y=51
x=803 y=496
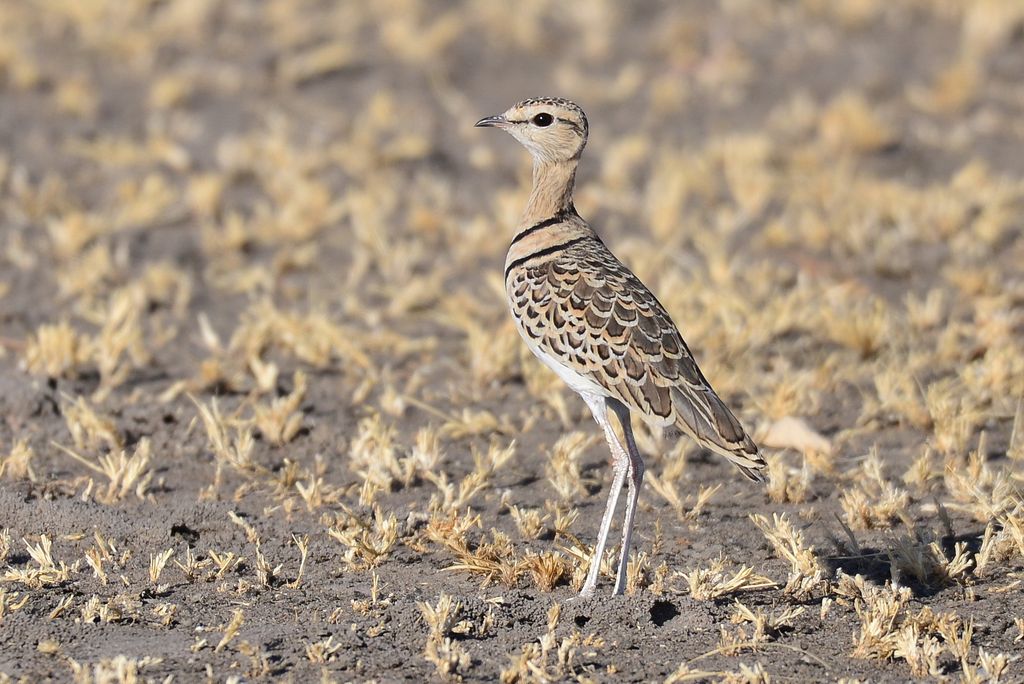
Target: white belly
x=579 y=383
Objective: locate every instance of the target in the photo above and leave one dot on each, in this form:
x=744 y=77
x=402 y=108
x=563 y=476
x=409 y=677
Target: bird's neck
x=552 y=191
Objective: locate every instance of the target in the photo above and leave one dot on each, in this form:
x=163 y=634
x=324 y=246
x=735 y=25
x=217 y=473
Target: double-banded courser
x=588 y=318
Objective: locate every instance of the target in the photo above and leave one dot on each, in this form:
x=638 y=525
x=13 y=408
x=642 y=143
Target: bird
x=589 y=319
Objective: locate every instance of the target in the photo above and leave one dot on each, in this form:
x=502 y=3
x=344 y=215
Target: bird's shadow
x=876 y=565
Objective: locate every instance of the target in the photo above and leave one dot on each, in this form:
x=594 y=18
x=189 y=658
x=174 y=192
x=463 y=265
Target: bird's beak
x=496 y=121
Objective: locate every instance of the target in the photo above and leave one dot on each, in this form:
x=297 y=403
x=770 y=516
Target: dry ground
x=264 y=413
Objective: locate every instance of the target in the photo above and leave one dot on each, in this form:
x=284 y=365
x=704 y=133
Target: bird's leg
x=636 y=478
x=621 y=460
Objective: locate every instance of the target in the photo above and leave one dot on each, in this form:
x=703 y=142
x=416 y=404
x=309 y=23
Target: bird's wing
x=587 y=310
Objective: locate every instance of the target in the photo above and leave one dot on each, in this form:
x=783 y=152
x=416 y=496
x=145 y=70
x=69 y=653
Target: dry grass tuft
x=368 y=540
x=787 y=484
x=17 y=464
x=850 y=123
x=231 y=629
x=874 y=502
x=231 y=440
x=765 y=628
x=927 y=562
x=89 y=429
x=805 y=573
x=708 y=584
x=125 y=474
x=879 y=610
x=448 y=657
x=281 y=420
x=57 y=351
x=980 y=489
x=549 y=658
x=562 y=467
x=117 y=670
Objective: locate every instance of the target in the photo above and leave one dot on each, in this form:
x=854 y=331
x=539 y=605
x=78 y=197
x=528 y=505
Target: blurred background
x=792 y=178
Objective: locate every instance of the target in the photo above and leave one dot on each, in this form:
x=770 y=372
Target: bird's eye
x=542 y=119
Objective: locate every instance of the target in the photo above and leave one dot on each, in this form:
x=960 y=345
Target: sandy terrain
x=264 y=413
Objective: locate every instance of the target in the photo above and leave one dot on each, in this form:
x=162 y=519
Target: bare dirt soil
x=264 y=413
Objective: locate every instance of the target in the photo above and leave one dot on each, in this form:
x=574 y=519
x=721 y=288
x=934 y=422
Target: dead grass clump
x=953 y=417
x=1003 y=540
x=120 y=346
x=687 y=508
x=89 y=429
x=927 y=562
x=123 y=343
x=266 y=574
x=805 y=573
x=979 y=489
x=472 y=423
x=323 y=651
x=231 y=629
x=530 y=522
x=924 y=473
x=714 y=582
x=311 y=338
x=879 y=611
x=787 y=484
x=765 y=628
x=17 y=464
x=157 y=563
x=223 y=563
x=87 y=273
x=988 y=668
x=889 y=631
x=862 y=324
x=230 y=439
x=582 y=556
x=281 y=420
x=451 y=497
x=190 y=565
x=426 y=454
x=850 y=123
x=987 y=26
x=550 y=659
x=952 y=91
x=374 y=454
x=58 y=351
x=874 y=502
x=562 y=467
x=46 y=572
x=921 y=653
x=125 y=474
x=11 y=602
x=119 y=669
x=448 y=656
x=70 y=232
x=368 y=540
x=493 y=560
x=5 y=544
x=866 y=512
x=900 y=393
x=547 y=569
x=494 y=350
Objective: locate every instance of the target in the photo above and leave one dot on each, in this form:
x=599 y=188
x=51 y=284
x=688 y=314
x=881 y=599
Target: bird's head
x=552 y=129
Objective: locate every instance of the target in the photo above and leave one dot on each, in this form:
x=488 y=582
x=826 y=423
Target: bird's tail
x=703 y=416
